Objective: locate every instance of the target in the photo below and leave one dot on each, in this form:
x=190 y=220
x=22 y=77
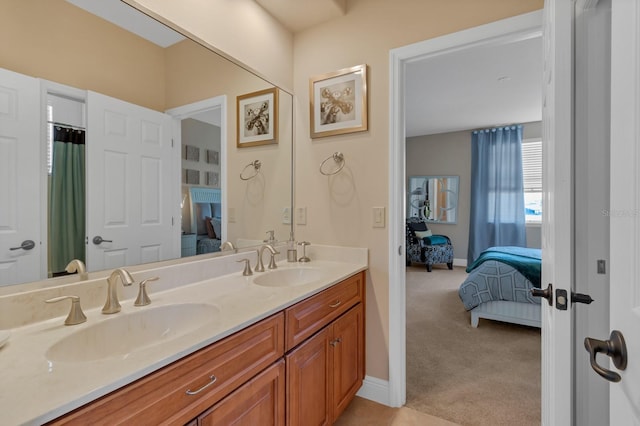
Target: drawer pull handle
x=335 y=304
x=335 y=342
x=212 y=380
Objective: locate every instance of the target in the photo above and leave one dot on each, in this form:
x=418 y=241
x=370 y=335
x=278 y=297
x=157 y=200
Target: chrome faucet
x=227 y=245
x=272 y=263
x=76 y=265
x=271 y=239
x=111 y=306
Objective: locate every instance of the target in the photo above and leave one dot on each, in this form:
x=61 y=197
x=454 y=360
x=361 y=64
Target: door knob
x=614 y=348
x=547 y=293
x=26 y=245
x=98 y=240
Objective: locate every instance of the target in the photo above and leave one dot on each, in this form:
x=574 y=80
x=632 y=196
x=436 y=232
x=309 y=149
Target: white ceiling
x=475 y=88
x=472 y=88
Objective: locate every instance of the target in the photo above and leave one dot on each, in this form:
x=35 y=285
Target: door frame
x=507 y=30
x=185 y=111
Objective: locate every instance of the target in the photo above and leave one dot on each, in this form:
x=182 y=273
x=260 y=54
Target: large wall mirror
x=433 y=198
x=89 y=70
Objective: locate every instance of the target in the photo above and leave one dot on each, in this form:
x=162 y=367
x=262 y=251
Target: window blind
x=532 y=165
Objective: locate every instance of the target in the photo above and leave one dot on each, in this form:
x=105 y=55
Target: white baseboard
x=460 y=262
x=376 y=390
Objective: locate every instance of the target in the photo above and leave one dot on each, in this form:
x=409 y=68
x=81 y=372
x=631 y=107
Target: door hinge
x=171 y=220
x=171 y=142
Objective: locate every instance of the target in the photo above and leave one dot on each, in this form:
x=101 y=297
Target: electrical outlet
x=301 y=216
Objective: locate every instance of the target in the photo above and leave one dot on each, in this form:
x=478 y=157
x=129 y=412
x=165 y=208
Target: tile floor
x=363 y=412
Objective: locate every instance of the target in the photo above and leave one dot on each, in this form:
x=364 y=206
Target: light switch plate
x=301 y=216
x=231 y=216
x=378 y=217
x=286 y=216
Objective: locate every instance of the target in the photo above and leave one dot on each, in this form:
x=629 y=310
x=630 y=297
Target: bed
x=499 y=284
x=206 y=209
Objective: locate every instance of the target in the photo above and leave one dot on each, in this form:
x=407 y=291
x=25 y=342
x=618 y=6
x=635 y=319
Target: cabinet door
x=347 y=357
x=258 y=402
x=308 y=383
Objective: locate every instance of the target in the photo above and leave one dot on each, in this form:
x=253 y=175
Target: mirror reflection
x=169 y=105
x=433 y=198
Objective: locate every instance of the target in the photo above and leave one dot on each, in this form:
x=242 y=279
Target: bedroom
x=439 y=144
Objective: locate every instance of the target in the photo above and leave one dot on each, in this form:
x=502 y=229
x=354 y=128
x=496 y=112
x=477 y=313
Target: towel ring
x=256 y=169
x=338 y=158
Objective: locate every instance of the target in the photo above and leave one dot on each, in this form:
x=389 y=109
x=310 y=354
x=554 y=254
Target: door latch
x=561 y=299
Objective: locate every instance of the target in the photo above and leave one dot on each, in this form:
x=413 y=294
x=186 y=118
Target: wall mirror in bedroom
x=433 y=198
x=149 y=122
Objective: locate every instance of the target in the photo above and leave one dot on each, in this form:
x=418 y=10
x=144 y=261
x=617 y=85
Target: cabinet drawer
x=161 y=398
x=307 y=317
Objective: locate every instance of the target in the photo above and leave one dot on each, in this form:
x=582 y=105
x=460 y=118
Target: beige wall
x=238 y=29
x=339 y=208
x=57 y=41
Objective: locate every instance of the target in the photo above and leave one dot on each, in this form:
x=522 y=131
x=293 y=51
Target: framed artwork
x=212 y=179
x=213 y=157
x=191 y=153
x=192 y=176
x=258 y=118
x=338 y=102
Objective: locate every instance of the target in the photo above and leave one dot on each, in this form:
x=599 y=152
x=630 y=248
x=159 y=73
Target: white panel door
x=557 y=256
x=20 y=176
x=624 y=216
x=130 y=182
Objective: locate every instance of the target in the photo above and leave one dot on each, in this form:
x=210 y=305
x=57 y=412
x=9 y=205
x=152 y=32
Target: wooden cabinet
x=300 y=366
x=325 y=372
x=181 y=391
x=258 y=402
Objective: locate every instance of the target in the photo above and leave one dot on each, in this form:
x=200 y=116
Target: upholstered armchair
x=424 y=247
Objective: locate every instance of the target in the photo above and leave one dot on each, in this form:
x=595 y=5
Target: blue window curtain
x=497 y=197
x=67 y=199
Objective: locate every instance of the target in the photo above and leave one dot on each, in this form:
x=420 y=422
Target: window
x=532 y=174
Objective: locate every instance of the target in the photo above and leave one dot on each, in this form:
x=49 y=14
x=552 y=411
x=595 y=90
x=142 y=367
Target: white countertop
x=37 y=390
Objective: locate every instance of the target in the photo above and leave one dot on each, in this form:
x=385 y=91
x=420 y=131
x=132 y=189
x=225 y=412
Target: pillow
x=422 y=234
x=217 y=227
x=418 y=226
x=210 y=231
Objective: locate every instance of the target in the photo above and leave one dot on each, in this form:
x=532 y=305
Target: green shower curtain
x=67 y=199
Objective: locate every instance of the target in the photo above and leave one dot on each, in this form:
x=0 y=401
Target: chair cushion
x=435 y=240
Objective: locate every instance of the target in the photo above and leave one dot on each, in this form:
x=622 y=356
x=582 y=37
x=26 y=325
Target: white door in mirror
x=130 y=175
x=19 y=178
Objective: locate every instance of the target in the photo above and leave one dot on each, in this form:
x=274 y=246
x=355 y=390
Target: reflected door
x=129 y=185
x=20 y=260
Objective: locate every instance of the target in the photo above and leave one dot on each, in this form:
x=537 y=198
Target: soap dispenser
x=292 y=251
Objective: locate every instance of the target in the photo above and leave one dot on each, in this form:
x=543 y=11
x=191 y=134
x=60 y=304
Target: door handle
x=547 y=293
x=614 y=348
x=26 y=245
x=99 y=240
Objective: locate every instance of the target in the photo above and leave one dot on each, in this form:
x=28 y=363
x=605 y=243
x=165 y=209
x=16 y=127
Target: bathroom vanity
x=268 y=348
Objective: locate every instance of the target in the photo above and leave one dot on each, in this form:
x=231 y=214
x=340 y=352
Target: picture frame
x=257 y=114
x=213 y=157
x=338 y=102
x=212 y=179
x=191 y=153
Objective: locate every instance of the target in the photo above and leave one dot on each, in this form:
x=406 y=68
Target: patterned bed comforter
x=208 y=245
x=494 y=280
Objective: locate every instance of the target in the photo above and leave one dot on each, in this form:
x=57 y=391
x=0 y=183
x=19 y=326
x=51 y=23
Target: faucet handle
x=272 y=262
x=247 y=267
x=271 y=238
x=304 y=257
x=143 y=297
x=76 y=316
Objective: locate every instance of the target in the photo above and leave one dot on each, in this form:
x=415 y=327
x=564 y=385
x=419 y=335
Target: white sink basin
x=288 y=277
x=127 y=332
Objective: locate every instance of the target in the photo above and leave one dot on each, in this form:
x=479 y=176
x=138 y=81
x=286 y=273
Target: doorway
x=522 y=27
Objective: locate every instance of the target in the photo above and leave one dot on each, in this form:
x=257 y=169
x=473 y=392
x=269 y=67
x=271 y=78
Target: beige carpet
x=488 y=375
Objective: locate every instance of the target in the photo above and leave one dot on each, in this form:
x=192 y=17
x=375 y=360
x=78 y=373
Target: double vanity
x=212 y=347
